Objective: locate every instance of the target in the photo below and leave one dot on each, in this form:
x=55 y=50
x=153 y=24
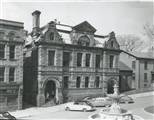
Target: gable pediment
x=84 y=27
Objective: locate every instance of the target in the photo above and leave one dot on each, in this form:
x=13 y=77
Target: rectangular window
x=65 y=81
x=87 y=60
x=11 y=74
x=111 y=61
x=152 y=78
x=66 y=59
x=51 y=57
x=145 y=77
x=52 y=36
x=79 y=59
x=133 y=64
x=2 y=71
x=97 y=64
x=145 y=65
x=78 y=82
x=96 y=84
x=2 y=51
x=86 y=82
x=12 y=51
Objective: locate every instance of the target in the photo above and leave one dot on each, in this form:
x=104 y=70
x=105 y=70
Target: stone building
x=142 y=65
x=62 y=65
x=11 y=64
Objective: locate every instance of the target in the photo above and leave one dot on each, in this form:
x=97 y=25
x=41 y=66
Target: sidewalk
x=36 y=110
x=142 y=94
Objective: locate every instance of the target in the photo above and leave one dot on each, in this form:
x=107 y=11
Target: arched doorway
x=110 y=85
x=50 y=91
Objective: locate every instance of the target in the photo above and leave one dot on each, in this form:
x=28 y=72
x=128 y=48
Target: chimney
x=36 y=20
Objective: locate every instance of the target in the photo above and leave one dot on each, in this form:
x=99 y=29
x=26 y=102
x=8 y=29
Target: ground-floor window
x=86 y=82
x=78 y=82
x=65 y=81
x=97 y=81
x=2 y=71
x=152 y=78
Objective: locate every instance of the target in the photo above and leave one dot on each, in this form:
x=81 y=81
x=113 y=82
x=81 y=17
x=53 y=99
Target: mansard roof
x=84 y=27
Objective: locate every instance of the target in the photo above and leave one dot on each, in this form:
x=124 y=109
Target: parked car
x=100 y=101
x=6 y=116
x=79 y=105
x=126 y=99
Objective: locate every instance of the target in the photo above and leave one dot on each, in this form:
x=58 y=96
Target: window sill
x=2 y=58
x=13 y=59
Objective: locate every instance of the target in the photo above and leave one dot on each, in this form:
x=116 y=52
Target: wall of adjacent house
x=11 y=92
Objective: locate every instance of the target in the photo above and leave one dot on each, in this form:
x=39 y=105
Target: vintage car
x=79 y=105
x=6 y=116
x=99 y=101
x=126 y=99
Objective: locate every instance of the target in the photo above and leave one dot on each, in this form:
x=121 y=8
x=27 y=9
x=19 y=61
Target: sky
x=120 y=17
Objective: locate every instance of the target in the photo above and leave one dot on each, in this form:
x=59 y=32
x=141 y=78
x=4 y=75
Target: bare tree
x=129 y=42
x=149 y=31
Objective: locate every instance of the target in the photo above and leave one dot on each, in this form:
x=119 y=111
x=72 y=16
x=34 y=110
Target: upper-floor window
x=78 y=82
x=97 y=81
x=79 y=59
x=133 y=64
x=111 y=61
x=97 y=63
x=2 y=71
x=12 y=51
x=86 y=82
x=52 y=36
x=87 y=60
x=145 y=65
x=2 y=51
x=11 y=36
x=84 y=41
x=11 y=74
x=65 y=81
x=51 y=57
x=145 y=77
x=66 y=59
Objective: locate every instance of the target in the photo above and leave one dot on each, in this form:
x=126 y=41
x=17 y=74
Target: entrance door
x=110 y=86
x=50 y=91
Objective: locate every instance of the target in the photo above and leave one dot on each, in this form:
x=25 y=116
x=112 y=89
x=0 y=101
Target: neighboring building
x=142 y=65
x=125 y=78
x=11 y=64
x=64 y=65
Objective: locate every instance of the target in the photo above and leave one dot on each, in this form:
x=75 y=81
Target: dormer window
x=112 y=44
x=52 y=36
x=1 y=35
x=11 y=36
x=84 y=41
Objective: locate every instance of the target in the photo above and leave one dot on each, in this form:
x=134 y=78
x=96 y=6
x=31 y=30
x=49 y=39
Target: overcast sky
x=121 y=17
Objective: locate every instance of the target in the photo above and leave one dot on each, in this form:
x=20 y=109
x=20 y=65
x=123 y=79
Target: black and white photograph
x=76 y=60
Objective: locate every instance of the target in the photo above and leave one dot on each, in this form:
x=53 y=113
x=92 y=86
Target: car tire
x=84 y=110
x=107 y=105
x=67 y=109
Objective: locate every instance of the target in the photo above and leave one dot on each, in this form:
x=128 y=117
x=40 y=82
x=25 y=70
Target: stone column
x=105 y=60
x=83 y=59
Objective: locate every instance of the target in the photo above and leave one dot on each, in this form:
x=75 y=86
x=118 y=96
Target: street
x=136 y=108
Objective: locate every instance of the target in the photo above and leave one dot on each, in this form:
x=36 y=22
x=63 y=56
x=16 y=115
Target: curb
x=36 y=110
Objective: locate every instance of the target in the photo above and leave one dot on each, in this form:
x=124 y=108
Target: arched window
x=97 y=81
x=84 y=41
x=112 y=44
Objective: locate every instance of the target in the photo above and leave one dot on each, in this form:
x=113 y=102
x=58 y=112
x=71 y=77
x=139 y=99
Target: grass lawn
x=149 y=109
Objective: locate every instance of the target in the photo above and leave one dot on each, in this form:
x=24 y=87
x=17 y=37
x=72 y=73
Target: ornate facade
x=11 y=64
x=63 y=65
